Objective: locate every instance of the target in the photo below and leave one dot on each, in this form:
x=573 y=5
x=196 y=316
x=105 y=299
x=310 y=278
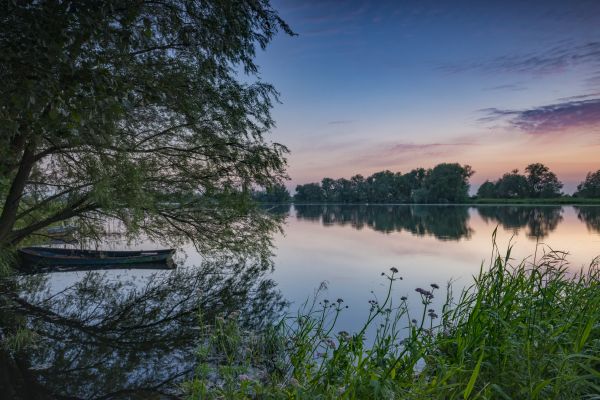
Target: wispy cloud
x=515 y=87
x=552 y=60
x=340 y=122
x=550 y=118
x=426 y=147
x=391 y=155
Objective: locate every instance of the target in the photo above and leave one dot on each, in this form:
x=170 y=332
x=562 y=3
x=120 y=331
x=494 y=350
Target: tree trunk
x=13 y=199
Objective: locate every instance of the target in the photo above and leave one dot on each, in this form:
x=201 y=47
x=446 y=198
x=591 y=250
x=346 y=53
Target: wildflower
x=424 y=292
x=340 y=301
x=431 y=310
x=414 y=321
x=326 y=301
x=403 y=298
x=294 y=382
x=244 y=377
x=394 y=270
x=434 y=285
x=330 y=343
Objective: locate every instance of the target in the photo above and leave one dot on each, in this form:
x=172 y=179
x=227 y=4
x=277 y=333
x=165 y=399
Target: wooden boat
x=48 y=258
x=63 y=230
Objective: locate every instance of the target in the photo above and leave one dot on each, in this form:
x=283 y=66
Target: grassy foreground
x=530 y=331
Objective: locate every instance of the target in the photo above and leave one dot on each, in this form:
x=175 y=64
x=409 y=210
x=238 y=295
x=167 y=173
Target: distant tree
x=446 y=183
x=590 y=187
x=345 y=192
x=382 y=186
x=330 y=190
x=542 y=182
x=276 y=193
x=359 y=189
x=487 y=190
x=512 y=185
x=309 y=193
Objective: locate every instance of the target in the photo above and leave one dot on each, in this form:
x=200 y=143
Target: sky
x=367 y=86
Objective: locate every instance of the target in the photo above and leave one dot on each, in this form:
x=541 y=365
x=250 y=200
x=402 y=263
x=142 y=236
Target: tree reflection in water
x=442 y=222
x=104 y=338
x=590 y=215
x=538 y=221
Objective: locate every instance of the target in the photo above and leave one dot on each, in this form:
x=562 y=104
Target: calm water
x=100 y=340
x=349 y=246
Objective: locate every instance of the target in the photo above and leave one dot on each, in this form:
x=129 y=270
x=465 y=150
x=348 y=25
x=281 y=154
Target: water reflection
x=537 y=221
x=442 y=222
x=109 y=336
x=135 y=336
x=591 y=217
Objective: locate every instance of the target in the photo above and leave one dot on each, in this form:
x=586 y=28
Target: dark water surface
x=124 y=334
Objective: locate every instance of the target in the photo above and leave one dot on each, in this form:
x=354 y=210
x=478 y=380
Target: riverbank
x=560 y=201
x=529 y=331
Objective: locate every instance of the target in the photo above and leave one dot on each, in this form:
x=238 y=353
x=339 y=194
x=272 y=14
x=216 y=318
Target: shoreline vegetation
x=443 y=184
x=566 y=200
x=525 y=331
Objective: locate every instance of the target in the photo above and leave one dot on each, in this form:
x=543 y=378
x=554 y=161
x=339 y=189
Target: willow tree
x=150 y=112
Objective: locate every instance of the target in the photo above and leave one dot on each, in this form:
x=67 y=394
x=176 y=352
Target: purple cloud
x=550 y=118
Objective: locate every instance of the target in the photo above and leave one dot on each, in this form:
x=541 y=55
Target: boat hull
x=47 y=258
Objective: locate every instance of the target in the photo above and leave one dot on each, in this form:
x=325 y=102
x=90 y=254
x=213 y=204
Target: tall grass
x=529 y=331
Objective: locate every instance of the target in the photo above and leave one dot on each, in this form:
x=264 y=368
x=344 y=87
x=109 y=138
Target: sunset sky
x=373 y=85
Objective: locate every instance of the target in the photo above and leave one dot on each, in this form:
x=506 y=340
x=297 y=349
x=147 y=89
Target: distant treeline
x=445 y=183
x=538 y=182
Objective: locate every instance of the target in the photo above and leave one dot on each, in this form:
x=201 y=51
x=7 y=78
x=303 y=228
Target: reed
x=524 y=331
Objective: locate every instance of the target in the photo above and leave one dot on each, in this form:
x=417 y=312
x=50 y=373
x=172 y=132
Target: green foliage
x=512 y=185
x=276 y=193
x=309 y=193
x=542 y=182
x=124 y=109
x=590 y=187
x=538 y=183
x=529 y=331
x=487 y=190
x=445 y=183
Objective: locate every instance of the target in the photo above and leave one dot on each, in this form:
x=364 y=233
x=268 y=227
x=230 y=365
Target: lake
x=349 y=246
x=100 y=340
